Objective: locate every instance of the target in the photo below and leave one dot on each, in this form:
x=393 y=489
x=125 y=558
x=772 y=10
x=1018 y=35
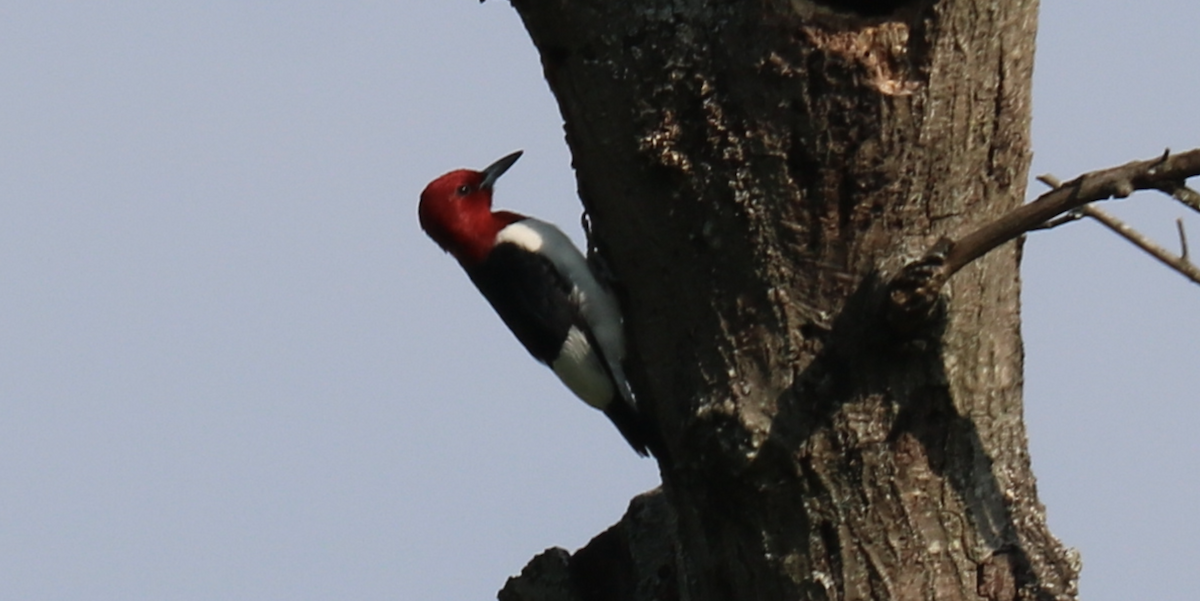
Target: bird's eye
x=463 y=190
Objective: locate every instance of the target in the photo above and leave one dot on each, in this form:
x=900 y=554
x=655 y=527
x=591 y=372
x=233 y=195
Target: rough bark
x=753 y=172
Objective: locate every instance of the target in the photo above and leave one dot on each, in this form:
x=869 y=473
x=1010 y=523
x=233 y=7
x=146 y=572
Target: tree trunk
x=754 y=171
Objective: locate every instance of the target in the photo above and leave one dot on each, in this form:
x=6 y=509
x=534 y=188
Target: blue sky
x=232 y=367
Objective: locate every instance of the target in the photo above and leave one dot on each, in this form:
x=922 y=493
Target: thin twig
x=1050 y=180
x=1067 y=217
x=1180 y=264
x=1183 y=250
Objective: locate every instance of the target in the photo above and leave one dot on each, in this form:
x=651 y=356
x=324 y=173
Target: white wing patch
x=578 y=366
x=521 y=235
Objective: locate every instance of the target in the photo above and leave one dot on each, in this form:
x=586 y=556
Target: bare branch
x=913 y=291
x=1115 y=182
x=1180 y=264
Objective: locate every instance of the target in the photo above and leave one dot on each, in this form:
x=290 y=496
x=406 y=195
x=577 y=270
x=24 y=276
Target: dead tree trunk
x=754 y=171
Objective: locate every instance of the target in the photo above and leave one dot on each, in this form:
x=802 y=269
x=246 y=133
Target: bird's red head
x=456 y=210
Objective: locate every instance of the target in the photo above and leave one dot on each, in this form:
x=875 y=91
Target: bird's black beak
x=492 y=172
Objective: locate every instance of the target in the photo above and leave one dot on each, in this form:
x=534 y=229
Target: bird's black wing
x=539 y=305
x=531 y=296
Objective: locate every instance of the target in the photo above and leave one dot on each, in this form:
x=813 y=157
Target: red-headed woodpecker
x=542 y=287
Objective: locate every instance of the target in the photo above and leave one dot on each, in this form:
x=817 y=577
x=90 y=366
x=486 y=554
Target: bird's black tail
x=637 y=430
